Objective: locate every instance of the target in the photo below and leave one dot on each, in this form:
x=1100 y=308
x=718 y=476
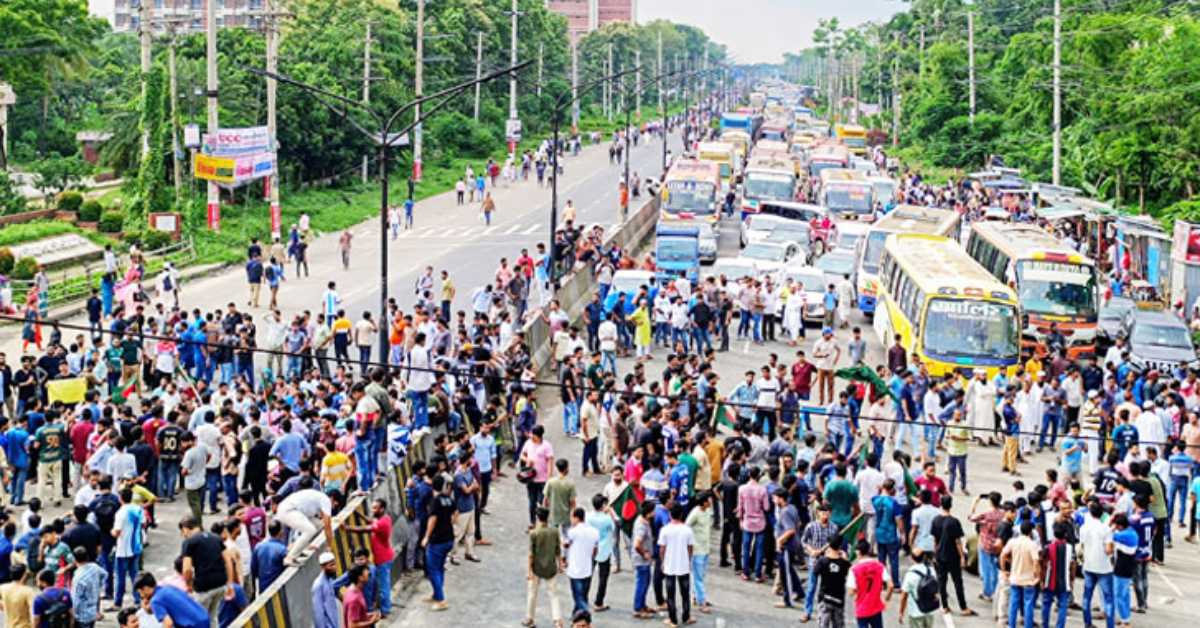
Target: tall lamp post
x=384 y=139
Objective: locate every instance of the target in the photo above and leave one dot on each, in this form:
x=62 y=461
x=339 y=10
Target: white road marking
x=948 y=619
x=512 y=229
x=1162 y=574
x=531 y=230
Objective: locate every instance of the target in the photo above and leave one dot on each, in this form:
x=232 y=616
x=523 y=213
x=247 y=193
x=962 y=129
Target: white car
x=848 y=234
x=884 y=188
x=757 y=226
x=814 y=284
x=769 y=257
x=709 y=245
x=836 y=265
x=733 y=269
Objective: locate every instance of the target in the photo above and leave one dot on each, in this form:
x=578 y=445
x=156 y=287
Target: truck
x=677 y=253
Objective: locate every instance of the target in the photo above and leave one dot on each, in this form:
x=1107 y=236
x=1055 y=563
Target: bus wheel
x=818 y=248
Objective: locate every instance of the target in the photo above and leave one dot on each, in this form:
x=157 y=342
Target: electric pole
x=145 y=28
x=574 y=85
x=176 y=166
x=478 y=69
x=1056 y=177
x=366 y=87
x=637 y=60
x=663 y=84
x=418 y=135
x=214 y=193
x=541 y=65
x=512 y=55
x=921 y=54
x=896 y=90
x=971 y=63
x=609 y=84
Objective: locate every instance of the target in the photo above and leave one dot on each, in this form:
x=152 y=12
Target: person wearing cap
x=826 y=353
x=1011 y=418
x=1090 y=420
x=324 y=598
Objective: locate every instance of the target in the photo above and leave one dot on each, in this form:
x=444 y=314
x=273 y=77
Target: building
x=585 y=16
x=124 y=14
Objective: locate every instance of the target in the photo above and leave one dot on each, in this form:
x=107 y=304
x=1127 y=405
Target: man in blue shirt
x=678 y=481
x=485 y=454
x=324 y=599
x=909 y=413
x=18 y=459
x=289 y=448
x=6 y=550
x=172 y=602
x=266 y=561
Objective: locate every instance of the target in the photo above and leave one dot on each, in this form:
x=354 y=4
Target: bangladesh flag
x=910 y=487
x=724 y=419
x=867 y=375
x=627 y=505
x=850 y=533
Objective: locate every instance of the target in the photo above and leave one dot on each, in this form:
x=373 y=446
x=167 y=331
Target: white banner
x=229 y=142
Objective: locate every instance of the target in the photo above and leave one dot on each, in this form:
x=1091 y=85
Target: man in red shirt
x=354 y=603
x=929 y=481
x=380 y=530
x=79 y=434
x=871 y=587
x=802 y=376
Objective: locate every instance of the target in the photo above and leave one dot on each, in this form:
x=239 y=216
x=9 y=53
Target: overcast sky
x=762 y=30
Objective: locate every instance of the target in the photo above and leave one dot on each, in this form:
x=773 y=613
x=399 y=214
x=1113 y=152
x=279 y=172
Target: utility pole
x=478 y=70
x=663 y=85
x=921 y=54
x=366 y=86
x=1056 y=177
x=418 y=135
x=145 y=32
x=896 y=90
x=574 y=85
x=176 y=167
x=637 y=60
x=512 y=56
x=541 y=65
x=971 y=63
x=621 y=95
x=210 y=41
x=609 y=84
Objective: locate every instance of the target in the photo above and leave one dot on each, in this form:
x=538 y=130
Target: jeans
x=1090 y=580
x=1021 y=600
x=680 y=584
x=1178 y=495
x=608 y=361
x=874 y=621
x=1121 y=598
x=889 y=555
x=810 y=588
x=787 y=574
x=420 y=408
x=570 y=415
x=701 y=339
x=758 y=327
x=17 y=490
x=699 y=567
x=1063 y=598
x=127 y=568
x=534 y=491
x=227 y=371
x=958 y=468
x=1141 y=584
x=590 y=449
x=105 y=560
x=752 y=541
x=1050 y=421
x=931 y=433
x=579 y=593
x=366 y=469
x=601 y=569
x=679 y=335
x=230 y=485
x=364 y=356
x=212 y=485
x=910 y=429
x=435 y=567
x=989 y=572
x=382 y=575
x=641 y=585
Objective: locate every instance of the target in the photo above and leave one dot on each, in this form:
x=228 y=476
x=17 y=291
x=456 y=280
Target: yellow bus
x=689 y=193
x=724 y=155
x=740 y=141
x=825 y=156
x=902 y=219
x=1057 y=285
x=948 y=311
x=853 y=136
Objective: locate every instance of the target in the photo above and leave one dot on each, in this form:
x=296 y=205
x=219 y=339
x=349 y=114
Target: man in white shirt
x=607 y=335
x=825 y=357
x=420 y=380
x=581 y=544
x=868 y=480
x=767 y=402
x=676 y=543
x=1096 y=544
x=1113 y=355
x=932 y=406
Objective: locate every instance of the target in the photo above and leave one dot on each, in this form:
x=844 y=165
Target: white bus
x=903 y=219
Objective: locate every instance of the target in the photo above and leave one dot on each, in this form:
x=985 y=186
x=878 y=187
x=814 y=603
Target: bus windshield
x=690 y=196
x=962 y=328
x=854 y=142
x=1057 y=288
x=873 y=251
x=848 y=198
x=771 y=186
x=676 y=249
x=815 y=168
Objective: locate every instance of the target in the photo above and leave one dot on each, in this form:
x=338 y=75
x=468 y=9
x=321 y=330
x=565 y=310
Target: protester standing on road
x=344 y=248
x=581 y=543
x=438 y=540
x=488 y=206
x=545 y=552
x=676 y=543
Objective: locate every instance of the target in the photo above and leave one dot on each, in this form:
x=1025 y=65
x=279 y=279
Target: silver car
x=813 y=281
x=758 y=226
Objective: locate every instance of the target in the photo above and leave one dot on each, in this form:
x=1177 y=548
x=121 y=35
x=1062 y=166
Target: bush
x=90 y=211
x=111 y=221
x=70 y=201
x=154 y=240
x=6 y=260
x=25 y=268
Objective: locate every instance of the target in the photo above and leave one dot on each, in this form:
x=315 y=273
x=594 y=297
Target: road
x=493 y=592
x=445 y=236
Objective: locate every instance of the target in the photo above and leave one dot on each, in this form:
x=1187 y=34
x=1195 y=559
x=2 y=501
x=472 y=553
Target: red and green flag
x=627 y=506
x=724 y=419
x=850 y=533
x=866 y=375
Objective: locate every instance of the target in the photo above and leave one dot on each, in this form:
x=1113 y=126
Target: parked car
x=1158 y=340
x=798 y=235
x=824 y=228
x=1111 y=315
x=758 y=226
x=814 y=284
x=732 y=268
x=710 y=244
x=848 y=234
x=629 y=283
x=835 y=264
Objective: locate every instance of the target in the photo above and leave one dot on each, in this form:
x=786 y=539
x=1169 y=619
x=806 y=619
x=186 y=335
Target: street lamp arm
x=283 y=78
x=583 y=89
x=455 y=89
x=425 y=113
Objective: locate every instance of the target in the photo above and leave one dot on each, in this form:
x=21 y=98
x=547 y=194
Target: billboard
x=234 y=171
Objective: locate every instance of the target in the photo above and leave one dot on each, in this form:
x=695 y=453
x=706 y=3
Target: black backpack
x=105 y=508
x=58 y=615
x=928 y=591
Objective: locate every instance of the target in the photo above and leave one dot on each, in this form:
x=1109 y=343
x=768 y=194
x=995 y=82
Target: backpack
x=928 y=591
x=58 y=615
x=105 y=509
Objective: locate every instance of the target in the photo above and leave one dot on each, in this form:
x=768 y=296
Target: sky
x=760 y=31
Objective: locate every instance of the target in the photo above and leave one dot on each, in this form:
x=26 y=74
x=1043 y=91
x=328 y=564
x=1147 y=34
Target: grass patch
x=914 y=160
x=38 y=229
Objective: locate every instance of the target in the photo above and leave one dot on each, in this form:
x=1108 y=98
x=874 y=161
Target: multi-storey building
x=124 y=15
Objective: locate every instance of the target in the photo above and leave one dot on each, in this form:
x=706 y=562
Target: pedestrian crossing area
x=471 y=232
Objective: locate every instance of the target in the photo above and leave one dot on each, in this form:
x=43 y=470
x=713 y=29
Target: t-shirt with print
x=128 y=523
x=833 y=572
